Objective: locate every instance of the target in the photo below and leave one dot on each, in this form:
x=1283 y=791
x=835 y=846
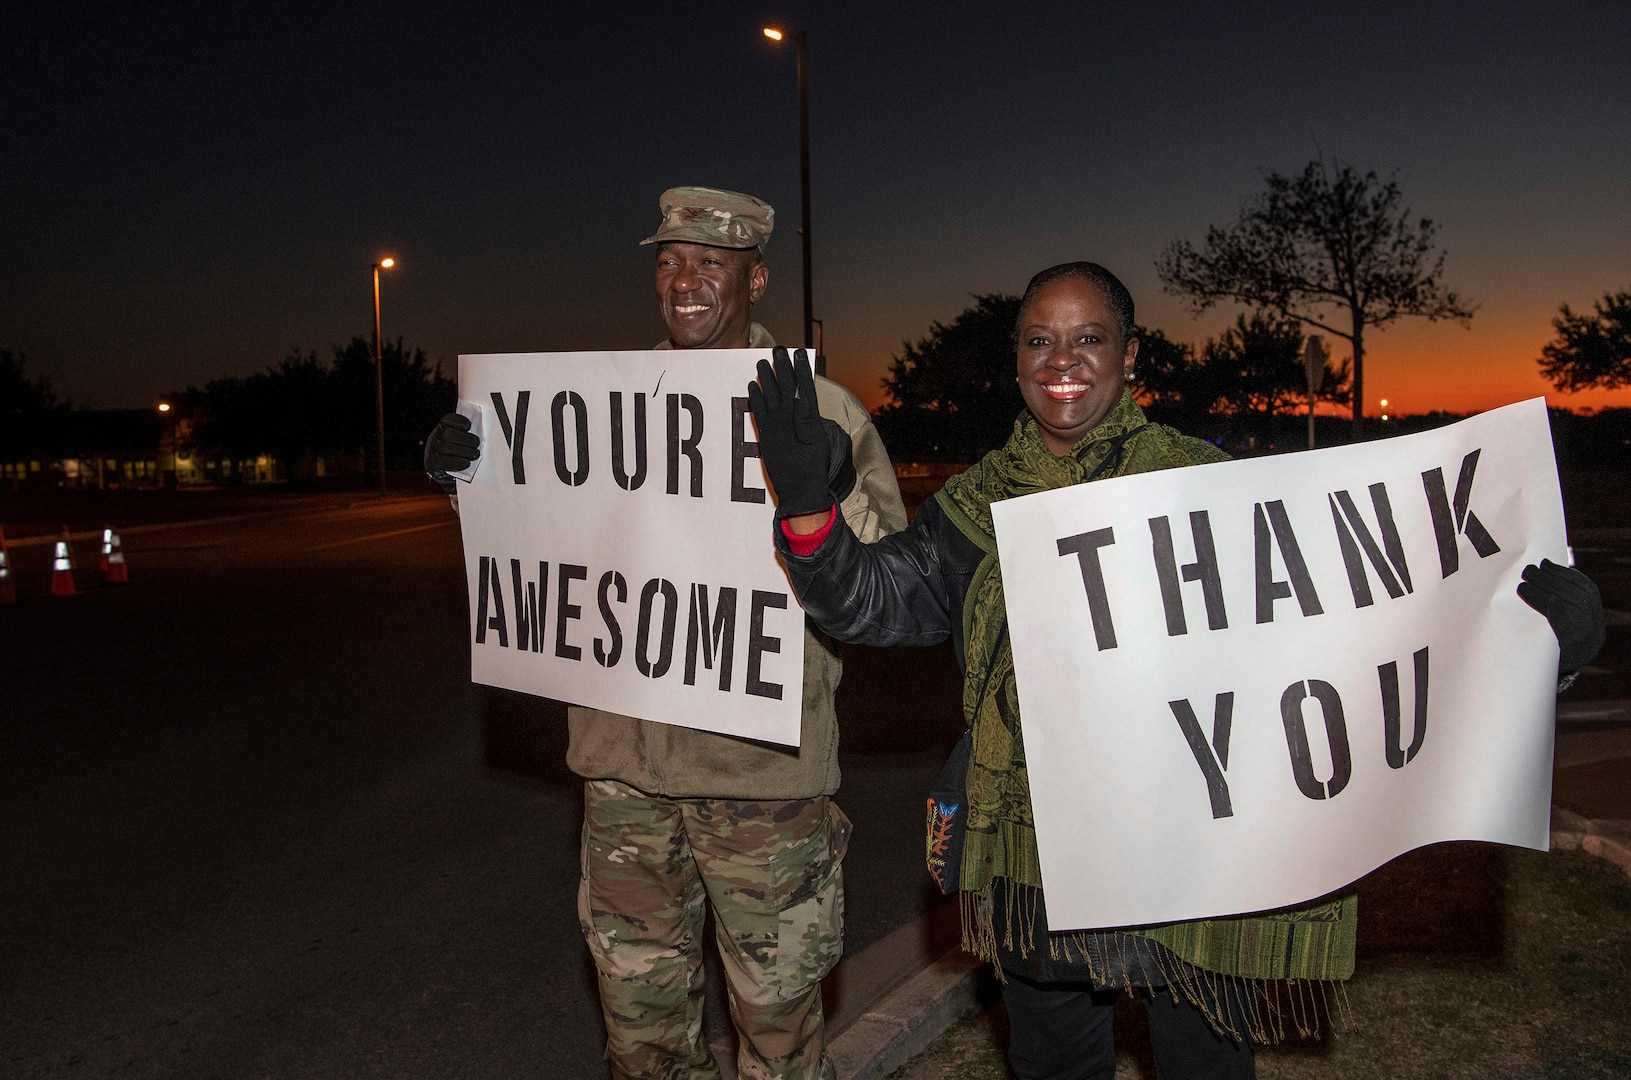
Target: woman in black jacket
x=939 y=579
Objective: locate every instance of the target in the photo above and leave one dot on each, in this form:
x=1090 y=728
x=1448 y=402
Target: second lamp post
x=379 y=377
x=804 y=168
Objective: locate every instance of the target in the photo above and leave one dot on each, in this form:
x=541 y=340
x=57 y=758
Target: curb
x=898 y=995
x=908 y=1019
x=1609 y=840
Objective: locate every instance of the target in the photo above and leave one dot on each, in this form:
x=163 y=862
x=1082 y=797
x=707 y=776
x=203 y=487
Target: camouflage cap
x=701 y=215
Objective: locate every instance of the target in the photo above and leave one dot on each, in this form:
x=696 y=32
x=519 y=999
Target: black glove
x=1571 y=603
x=806 y=457
x=450 y=447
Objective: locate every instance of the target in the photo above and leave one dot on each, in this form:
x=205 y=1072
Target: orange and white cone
x=8 y=588
x=62 y=567
x=114 y=570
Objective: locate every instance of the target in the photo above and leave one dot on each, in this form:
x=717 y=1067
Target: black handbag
x=948 y=817
x=948 y=805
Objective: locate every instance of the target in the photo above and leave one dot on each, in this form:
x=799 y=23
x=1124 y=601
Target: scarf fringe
x=1270 y=1007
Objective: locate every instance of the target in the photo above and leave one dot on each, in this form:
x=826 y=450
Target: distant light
x=164 y=406
x=1383 y=402
x=773 y=34
x=1384 y=416
x=388 y=263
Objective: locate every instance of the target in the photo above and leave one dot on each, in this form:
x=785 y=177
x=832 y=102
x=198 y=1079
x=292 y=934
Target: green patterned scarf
x=1310 y=942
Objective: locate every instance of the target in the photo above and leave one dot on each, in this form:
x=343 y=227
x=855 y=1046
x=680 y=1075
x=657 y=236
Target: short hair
x=1121 y=301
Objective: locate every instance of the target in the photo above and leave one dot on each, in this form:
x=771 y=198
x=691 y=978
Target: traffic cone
x=62 y=567
x=114 y=570
x=8 y=588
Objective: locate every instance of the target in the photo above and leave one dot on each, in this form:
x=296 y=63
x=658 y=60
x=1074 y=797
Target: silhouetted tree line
x=953 y=394
x=29 y=409
x=308 y=407
x=1591 y=350
x=1583 y=442
x=1595 y=443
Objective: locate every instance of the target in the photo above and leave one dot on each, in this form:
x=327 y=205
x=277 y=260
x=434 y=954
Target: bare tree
x=1313 y=246
x=1591 y=350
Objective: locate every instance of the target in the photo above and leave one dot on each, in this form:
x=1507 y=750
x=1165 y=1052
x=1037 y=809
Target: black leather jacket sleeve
x=905 y=589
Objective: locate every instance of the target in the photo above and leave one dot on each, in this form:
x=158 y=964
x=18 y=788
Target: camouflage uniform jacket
x=661 y=759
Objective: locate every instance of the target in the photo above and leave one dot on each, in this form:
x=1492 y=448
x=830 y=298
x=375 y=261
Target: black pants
x=1063 y=1031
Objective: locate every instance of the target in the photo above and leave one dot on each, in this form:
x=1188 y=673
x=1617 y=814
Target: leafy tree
x=21 y=394
x=1591 y=350
x=1253 y=371
x=227 y=418
x=306 y=406
x=1170 y=381
x=416 y=395
x=952 y=393
x=27 y=406
x=286 y=411
x=1312 y=247
x=1256 y=366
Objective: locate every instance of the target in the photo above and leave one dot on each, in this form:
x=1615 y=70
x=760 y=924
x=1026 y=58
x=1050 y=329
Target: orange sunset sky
x=1415 y=365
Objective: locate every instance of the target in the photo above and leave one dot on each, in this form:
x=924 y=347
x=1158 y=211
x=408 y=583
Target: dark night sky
x=190 y=191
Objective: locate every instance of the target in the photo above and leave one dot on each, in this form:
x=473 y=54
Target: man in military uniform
x=676 y=819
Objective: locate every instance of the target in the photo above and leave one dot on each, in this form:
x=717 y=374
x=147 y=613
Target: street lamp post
x=804 y=168
x=379 y=377
x=1314 y=368
x=169 y=429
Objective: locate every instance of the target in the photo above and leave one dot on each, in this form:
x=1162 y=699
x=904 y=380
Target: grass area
x=1475 y=962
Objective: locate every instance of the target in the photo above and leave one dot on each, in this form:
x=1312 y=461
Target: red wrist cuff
x=807 y=543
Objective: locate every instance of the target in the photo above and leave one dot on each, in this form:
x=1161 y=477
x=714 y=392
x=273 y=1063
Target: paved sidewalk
x=917 y=983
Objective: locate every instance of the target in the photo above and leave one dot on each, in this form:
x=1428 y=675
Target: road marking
x=382 y=536
x=161 y=526
x=129 y=530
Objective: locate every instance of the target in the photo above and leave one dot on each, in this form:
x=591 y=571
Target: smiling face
x=1072 y=361
x=706 y=294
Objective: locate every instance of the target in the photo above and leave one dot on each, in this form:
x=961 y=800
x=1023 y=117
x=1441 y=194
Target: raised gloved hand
x=450 y=447
x=1571 y=603
x=806 y=456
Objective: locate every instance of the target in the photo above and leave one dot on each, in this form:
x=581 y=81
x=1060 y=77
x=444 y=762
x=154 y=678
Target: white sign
x=1246 y=684
x=617 y=540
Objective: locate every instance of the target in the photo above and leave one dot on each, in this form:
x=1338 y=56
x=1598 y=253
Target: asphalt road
x=250 y=822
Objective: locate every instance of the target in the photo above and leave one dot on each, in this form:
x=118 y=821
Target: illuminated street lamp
x=804 y=168
x=170 y=427
x=379 y=376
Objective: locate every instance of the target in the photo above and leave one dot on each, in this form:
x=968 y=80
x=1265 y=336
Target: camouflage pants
x=770 y=871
